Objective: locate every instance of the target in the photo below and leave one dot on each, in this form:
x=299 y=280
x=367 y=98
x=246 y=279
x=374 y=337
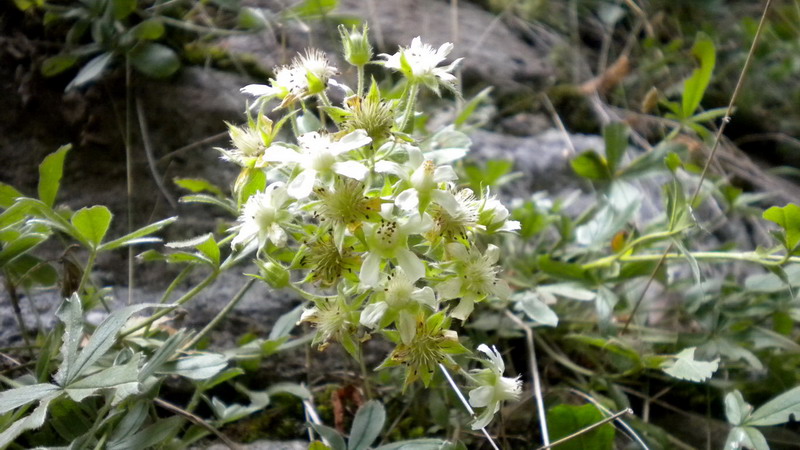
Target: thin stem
x=129 y=171
x=364 y=374
x=536 y=381
x=163 y=312
x=411 y=91
x=221 y=315
x=753 y=257
x=360 y=69
x=178 y=280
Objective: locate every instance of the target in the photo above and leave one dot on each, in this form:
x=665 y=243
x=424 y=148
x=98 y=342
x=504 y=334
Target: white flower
x=262 y=216
x=402 y=297
x=307 y=75
x=454 y=215
x=492 y=387
x=493 y=215
x=389 y=240
x=247 y=146
x=318 y=155
x=419 y=63
x=423 y=177
x=475 y=278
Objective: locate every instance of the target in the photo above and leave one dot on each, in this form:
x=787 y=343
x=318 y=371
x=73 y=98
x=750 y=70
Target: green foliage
x=564 y=420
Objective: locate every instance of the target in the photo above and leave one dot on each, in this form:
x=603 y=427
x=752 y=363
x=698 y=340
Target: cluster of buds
x=357 y=212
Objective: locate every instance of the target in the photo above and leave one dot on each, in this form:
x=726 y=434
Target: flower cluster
x=378 y=231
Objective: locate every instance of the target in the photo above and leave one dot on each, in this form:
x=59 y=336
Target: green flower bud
x=357 y=49
x=274 y=274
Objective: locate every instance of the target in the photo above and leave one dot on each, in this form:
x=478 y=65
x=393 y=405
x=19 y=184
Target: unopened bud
x=274 y=274
x=357 y=49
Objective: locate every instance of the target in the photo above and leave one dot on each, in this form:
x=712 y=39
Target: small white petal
x=411 y=264
x=456 y=250
x=407 y=200
x=510 y=225
x=464 y=308
x=407 y=326
x=277 y=235
x=450 y=288
x=390 y=167
x=372 y=314
x=280 y=153
x=302 y=184
x=370 y=268
x=352 y=141
x=425 y=296
x=444 y=173
x=351 y=169
x=492 y=254
x=258 y=90
x=485 y=418
x=447 y=200
x=481 y=396
x=501 y=290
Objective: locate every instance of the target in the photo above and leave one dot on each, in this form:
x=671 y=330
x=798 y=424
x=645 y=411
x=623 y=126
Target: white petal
x=485 y=418
x=407 y=326
x=464 y=308
x=308 y=314
x=352 y=141
x=370 y=268
x=417 y=224
x=447 y=200
x=302 y=184
x=410 y=263
x=445 y=49
x=501 y=290
x=456 y=250
x=390 y=167
x=481 y=396
x=277 y=235
x=492 y=254
x=444 y=173
x=510 y=225
x=372 y=314
x=280 y=153
x=450 y=288
x=425 y=296
x=351 y=169
x=407 y=200
x=258 y=90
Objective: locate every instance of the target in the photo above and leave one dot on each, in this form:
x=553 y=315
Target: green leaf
x=745 y=437
x=695 y=87
x=114 y=376
x=30 y=422
x=20 y=246
x=536 y=309
x=198 y=185
x=154 y=60
x=788 y=218
x=92 y=224
x=252 y=19
x=121 y=9
x=295 y=389
x=615 y=136
x=149 y=437
x=50 y=172
x=562 y=270
x=148 y=30
x=91 y=71
x=469 y=108
x=197 y=367
x=135 y=237
x=314 y=8
x=591 y=165
x=564 y=420
x=677 y=207
x=417 y=444
x=367 y=425
x=54 y=65
x=780 y=409
x=8 y=195
x=687 y=368
x=286 y=323
x=736 y=409
x=135 y=416
x=14 y=398
x=205 y=244
x=331 y=436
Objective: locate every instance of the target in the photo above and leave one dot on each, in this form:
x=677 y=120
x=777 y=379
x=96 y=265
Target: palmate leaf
x=780 y=409
x=687 y=368
x=30 y=422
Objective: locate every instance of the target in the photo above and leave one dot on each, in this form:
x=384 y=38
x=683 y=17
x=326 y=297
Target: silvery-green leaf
x=71 y=315
x=196 y=367
x=780 y=409
x=736 y=409
x=150 y=436
x=745 y=437
x=30 y=422
x=112 y=377
x=330 y=436
x=135 y=415
x=572 y=291
x=536 y=309
x=686 y=367
x=14 y=398
x=165 y=351
x=367 y=425
x=295 y=389
x=417 y=444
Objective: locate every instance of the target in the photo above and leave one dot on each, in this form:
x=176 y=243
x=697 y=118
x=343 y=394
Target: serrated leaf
x=50 y=173
x=135 y=237
x=71 y=316
x=780 y=409
x=367 y=425
x=92 y=224
x=154 y=60
x=150 y=436
x=687 y=368
x=30 y=422
x=14 y=398
x=91 y=71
